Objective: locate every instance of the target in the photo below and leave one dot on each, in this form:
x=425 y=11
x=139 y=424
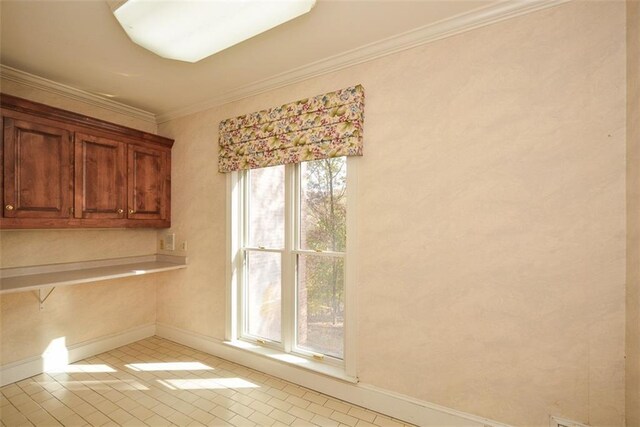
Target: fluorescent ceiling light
x=190 y=30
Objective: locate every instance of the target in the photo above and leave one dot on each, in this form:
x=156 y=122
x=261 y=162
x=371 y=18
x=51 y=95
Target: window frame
x=237 y=186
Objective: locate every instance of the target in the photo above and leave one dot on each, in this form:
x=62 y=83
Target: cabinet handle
x=131 y=211
x=9 y=207
x=120 y=211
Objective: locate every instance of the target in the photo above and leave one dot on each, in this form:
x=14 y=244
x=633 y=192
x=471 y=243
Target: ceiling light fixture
x=190 y=30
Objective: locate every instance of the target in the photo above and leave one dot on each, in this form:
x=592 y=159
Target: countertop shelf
x=33 y=278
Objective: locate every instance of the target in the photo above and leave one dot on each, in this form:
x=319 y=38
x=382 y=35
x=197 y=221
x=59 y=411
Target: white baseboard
x=26 y=368
x=392 y=404
x=386 y=402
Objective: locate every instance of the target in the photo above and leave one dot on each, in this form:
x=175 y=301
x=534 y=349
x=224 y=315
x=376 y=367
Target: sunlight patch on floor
x=169 y=366
x=100 y=385
x=208 y=383
x=56 y=356
x=77 y=368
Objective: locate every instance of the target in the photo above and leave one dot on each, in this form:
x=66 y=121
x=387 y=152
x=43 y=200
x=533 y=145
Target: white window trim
x=345 y=370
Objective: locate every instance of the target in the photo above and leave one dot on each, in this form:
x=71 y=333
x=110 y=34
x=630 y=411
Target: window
x=289 y=278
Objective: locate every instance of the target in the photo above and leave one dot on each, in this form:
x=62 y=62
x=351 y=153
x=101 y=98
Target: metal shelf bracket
x=47 y=295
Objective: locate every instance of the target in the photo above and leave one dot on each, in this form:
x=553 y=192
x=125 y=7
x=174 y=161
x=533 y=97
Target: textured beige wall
x=633 y=215
x=493 y=280
x=78 y=313
x=82 y=312
x=194 y=298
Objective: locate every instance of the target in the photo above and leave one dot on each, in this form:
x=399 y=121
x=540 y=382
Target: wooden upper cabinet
x=100 y=177
x=147 y=180
x=37 y=170
x=65 y=170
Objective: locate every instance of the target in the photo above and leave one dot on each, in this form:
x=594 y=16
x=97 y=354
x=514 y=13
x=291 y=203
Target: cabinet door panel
x=37 y=170
x=146 y=182
x=99 y=175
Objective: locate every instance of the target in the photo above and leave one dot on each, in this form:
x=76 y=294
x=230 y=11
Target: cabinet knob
x=9 y=207
x=131 y=211
x=120 y=211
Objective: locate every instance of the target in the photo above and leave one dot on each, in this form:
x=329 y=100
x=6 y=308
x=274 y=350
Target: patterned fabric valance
x=324 y=126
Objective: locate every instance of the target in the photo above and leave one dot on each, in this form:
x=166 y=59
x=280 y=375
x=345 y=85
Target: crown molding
x=30 y=80
x=492 y=14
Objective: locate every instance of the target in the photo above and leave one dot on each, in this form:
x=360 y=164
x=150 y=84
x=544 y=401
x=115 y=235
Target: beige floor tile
x=144 y=394
x=241 y=409
x=315 y=398
x=38 y=417
x=203 y=404
x=293 y=390
x=263 y=408
x=84 y=409
x=240 y=421
x=279 y=394
x=11 y=390
x=282 y=416
x=301 y=413
x=201 y=416
x=386 y=422
x=320 y=410
x=300 y=403
x=337 y=406
x=158 y=421
x=323 y=421
x=28 y=407
x=344 y=418
x=223 y=413
x=120 y=416
x=73 y=421
x=16 y=420
x=260 y=396
x=134 y=422
x=97 y=418
x=362 y=414
x=163 y=410
x=180 y=419
x=61 y=413
x=261 y=419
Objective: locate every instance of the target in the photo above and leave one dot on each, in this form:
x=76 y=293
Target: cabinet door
x=37 y=170
x=100 y=168
x=147 y=173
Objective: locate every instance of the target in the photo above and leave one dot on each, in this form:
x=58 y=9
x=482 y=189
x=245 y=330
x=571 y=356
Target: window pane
x=263 y=295
x=266 y=207
x=323 y=204
x=321 y=304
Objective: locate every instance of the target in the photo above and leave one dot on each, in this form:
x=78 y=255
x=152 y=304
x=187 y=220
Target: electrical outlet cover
x=170 y=242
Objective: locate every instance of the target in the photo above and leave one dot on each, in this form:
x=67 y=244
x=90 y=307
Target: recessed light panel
x=191 y=30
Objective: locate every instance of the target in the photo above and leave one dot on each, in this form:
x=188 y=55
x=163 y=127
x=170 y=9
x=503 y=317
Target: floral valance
x=324 y=126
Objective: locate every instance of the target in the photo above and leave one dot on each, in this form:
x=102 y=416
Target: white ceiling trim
x=446 y=28
x=30 y=80
x=429 y=33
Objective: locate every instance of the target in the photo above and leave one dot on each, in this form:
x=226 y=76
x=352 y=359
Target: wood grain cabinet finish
x=65 y=170
x=147 y=167
x=37 y=170
x=100 y=177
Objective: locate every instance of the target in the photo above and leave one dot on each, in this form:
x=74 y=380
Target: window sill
x=293 y=360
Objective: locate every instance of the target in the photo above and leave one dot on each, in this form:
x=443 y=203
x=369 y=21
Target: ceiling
x=80 y=44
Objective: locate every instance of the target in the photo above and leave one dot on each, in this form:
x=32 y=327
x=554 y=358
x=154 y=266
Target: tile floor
x=157 y=382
